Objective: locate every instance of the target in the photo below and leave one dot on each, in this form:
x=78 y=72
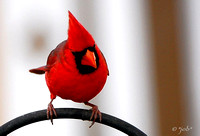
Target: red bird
x=76 y=69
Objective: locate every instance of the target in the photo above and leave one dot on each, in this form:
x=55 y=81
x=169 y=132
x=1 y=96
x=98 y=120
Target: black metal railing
x=64 y=113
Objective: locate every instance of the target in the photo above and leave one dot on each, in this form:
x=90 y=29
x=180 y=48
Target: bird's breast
x=64 y=80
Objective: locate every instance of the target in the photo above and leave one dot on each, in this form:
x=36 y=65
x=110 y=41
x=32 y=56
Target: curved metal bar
x=72 y=113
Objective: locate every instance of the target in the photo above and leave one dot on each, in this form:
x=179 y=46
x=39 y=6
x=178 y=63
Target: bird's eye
x=74 y=53
x=91 y=48
x=81 y=53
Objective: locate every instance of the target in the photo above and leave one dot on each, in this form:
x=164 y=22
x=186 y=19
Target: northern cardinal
x=76 y=69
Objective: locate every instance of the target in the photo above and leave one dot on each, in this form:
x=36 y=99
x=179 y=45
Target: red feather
x=67 y=77
x=78 y=36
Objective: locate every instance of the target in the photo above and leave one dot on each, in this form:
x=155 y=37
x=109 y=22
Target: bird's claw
x=95 y=114
x=50 y=112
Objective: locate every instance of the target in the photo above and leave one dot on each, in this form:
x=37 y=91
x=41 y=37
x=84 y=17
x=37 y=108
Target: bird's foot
x=95 y=114
x=50 y=112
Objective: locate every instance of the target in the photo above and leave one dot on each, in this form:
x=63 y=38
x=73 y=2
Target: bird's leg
x=95 y=113
x=51 y=111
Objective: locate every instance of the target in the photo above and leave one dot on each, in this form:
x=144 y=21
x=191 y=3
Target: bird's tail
x=40 y=70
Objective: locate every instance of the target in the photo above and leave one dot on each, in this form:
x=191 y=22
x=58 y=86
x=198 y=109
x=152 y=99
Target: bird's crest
x=78 y=37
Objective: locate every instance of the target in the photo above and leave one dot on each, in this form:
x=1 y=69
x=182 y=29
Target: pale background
x=29 y=30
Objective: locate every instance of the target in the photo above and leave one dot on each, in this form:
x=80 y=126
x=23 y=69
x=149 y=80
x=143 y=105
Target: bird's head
x=82 y=45
x=78 y=37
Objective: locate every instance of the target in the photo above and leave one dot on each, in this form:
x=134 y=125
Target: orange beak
x=89 y=59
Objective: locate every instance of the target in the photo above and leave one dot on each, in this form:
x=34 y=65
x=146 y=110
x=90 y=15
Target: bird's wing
x=55 y=54
x=50 y=61
x=52 y=58
x=105 y=63
x=40 y=70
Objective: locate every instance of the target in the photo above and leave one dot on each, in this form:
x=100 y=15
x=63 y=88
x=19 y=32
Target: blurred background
x=151 y=47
